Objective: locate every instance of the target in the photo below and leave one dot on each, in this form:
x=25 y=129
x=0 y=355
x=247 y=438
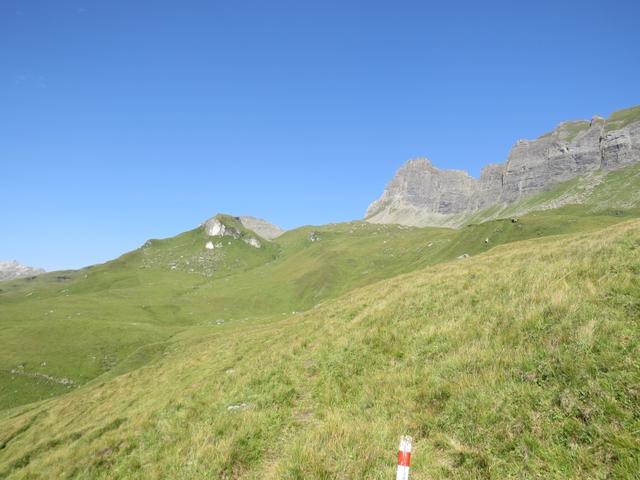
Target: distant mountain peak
x=11 y=269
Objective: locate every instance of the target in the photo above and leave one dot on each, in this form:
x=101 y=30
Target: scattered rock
x=463 y=256
x=254 y=242
x=239 y=406
x=43 y=376
x=314 y=237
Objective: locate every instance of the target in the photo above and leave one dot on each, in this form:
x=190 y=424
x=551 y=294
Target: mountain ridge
x=422 y=195
x=12 y=269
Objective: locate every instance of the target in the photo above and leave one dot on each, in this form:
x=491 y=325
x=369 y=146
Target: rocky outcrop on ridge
x=421 y=194
x=263 y=228
x=233 y=227
x=214 y=227
x=10 y=270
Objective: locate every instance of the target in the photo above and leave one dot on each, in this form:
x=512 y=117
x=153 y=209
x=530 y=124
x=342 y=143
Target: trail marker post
x=404 y=458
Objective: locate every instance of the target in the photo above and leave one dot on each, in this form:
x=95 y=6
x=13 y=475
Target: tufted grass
x=519 y=362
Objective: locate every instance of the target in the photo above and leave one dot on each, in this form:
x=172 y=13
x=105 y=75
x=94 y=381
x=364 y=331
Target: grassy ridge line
x=521 y=362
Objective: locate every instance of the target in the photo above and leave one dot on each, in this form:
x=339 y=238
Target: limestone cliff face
x=421 y=194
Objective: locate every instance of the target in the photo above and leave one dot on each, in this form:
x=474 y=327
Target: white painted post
x=404 y=458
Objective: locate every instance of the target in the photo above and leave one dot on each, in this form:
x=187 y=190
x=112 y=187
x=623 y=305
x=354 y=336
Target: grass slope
x=520 y=362
x=80 y=326
x=622 y=118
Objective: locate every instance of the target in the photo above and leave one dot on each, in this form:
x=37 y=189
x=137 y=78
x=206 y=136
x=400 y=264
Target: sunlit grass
x=521 y=362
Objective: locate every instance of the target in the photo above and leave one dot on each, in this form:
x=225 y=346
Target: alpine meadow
x=470 y=314
x=514 y=344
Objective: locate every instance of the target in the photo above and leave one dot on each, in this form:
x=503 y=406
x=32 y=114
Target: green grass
x=623 y=118
x=97 y=322
x=571 y=130
x=519 y=362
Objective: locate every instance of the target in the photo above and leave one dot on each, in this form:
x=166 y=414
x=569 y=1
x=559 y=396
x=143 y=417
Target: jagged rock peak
x=421 y=194
x=11 y=269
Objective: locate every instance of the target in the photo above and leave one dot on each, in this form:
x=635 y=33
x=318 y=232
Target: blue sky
x=122 y=121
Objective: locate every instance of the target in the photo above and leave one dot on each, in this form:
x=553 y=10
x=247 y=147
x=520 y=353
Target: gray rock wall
x=421 y=194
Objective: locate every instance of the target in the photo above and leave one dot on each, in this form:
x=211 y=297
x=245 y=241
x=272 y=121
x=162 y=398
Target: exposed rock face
x=422 y=195
x=12 y=269
x=215 y=228
x=263 y=228
x=254 y=242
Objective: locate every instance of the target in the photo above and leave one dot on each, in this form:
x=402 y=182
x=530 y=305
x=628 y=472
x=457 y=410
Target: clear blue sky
x=127 y=120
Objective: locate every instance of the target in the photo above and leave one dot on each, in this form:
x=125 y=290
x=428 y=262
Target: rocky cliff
x=10 y=270
x=421 y=194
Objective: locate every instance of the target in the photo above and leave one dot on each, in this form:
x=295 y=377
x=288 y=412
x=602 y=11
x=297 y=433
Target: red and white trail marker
x=404 y=458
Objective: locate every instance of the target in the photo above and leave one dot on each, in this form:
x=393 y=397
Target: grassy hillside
x=64 y=329
x=622 y=118
x=521 y=361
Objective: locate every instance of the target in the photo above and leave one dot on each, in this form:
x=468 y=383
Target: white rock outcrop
x=215 y=228
x=254 y=242
x=11 y=269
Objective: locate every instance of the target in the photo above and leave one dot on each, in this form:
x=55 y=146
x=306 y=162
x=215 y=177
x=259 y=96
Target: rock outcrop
x=10 y=270
x=216 y=228
x=252 y=241
x=421 y=194
x=240 y=228
x=263 y=228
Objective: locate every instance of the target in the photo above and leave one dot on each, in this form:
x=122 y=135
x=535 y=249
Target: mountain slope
x=596 y=192
x=422 y=195
x=519 y=362
x=63 y=329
